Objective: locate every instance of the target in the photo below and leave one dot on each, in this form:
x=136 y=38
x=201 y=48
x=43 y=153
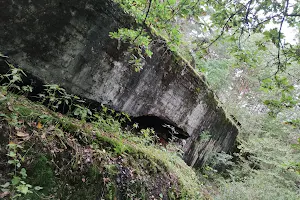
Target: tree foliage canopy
x=193 y=27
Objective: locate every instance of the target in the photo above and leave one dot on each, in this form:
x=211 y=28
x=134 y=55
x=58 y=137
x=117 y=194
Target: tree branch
x=279 y=38
x=144 y=21
x=248 y=12
x=292 y=15
x=223 y=28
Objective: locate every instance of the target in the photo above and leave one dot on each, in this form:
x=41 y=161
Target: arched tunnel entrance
x=164 y=129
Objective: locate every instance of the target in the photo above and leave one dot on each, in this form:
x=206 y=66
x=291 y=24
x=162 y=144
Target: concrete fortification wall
x=67 y=43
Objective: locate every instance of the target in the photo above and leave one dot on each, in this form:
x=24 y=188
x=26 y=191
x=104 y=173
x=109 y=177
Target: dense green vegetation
x=268 y=166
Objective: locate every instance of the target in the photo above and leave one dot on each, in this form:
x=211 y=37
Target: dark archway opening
x=164 y=130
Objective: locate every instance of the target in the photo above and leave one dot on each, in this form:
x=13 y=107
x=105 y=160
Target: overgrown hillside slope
x=47 y=155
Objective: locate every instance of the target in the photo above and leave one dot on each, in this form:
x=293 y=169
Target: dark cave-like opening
x=165 y=130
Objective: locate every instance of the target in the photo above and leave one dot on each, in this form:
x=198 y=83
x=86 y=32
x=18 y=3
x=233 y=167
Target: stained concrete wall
x=67 y=43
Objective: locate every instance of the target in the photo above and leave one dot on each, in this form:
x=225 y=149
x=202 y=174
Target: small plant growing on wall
x=205 y=136
x=139 y=45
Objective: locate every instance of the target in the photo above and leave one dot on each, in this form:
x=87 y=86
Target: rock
x=68 y=43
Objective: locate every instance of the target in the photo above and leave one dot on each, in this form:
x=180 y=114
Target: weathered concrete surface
x=66 y=42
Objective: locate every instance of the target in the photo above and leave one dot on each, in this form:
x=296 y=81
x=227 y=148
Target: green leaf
x=12 y=154
x=38 y=188
x=11 y=162
x=77 y=111
x=149 y=53
x=89 y=112
x=44 y=116
x=18 y=164
x=16 y=180
x=14 y=146
x=172 y=2
x=23 y=173
x=5 y=185
x=24 y=189
x=5 y=189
